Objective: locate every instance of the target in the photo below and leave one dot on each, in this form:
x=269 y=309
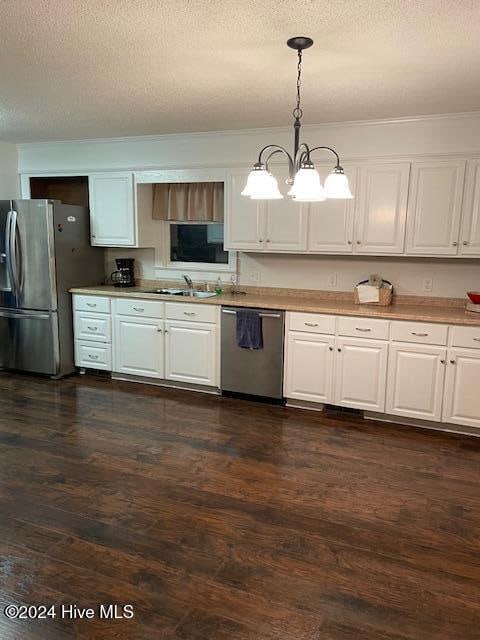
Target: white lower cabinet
x=191 y=353
x=360 y=373
x=138 y=346
x=309 y=367
x=462 y=396
x=415 y=381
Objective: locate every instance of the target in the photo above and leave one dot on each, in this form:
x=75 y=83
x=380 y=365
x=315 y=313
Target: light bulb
x=261 y=185
x=336 y=185
x=306 y=186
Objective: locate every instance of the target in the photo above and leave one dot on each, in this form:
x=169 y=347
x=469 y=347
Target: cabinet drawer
x=140 y=308
x=98 y=304
x=194 y=312
x=92 y=326
x=421 y=332
x=363 y=327
x=311 y=323
x=465 y=337
x=95 y=355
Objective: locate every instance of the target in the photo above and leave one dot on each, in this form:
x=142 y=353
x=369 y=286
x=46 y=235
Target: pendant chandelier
x=302 y=175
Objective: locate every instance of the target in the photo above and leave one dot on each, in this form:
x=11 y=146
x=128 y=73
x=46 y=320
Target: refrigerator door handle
x=15 y=254
x=8 y=251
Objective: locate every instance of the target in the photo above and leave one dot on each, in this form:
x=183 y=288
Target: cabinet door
x=330 y=223
x=360 y=373
x=309 y=367
x=112 y=211
x=415 y=381
x=381 y=208
x=434 y=207
x=286 y=222
x=191 y=353
x=470 y=232
x=244 y=218
x=138 y=347
x=462 y=397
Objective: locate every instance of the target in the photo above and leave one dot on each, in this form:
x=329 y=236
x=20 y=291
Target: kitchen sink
x=191 y=293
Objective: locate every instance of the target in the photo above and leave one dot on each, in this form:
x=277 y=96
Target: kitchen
x=233 y=355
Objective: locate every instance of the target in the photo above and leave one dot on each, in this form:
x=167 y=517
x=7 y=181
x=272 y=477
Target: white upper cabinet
x=470 y=231
x=381 y=207
x=286 y=222
x=244 y=218
x=434 y=207
x=330 y=223
x=112 y=209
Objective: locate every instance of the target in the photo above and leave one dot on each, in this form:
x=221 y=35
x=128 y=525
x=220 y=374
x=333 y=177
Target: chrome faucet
x=188 y=280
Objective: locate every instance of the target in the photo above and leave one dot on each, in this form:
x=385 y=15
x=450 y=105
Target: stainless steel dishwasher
x=257 y=372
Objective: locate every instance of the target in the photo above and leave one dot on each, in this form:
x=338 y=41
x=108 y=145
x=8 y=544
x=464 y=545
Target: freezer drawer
x=29 y=341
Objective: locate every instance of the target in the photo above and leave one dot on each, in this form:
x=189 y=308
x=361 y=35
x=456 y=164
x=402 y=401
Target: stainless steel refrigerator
x=44 y=251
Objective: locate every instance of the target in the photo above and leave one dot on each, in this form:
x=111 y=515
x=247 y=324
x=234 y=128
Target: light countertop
x=445 y=310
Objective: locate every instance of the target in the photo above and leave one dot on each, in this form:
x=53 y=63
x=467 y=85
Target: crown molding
x=463 y=115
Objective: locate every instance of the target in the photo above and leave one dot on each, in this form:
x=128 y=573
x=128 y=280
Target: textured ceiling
x=102 y=68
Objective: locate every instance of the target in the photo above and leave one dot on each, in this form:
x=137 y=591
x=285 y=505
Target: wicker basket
x=385 y=295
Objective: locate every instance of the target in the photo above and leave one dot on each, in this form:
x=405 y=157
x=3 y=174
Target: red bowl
x=474 y=296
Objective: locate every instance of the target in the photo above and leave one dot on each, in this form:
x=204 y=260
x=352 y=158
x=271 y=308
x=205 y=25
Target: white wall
x=9 y=181
x=412 y=137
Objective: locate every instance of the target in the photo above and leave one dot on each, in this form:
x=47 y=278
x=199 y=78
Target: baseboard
x=186 y=386
x=423 y=424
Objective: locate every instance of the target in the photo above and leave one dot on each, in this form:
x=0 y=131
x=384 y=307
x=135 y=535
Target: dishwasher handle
x=262 y=315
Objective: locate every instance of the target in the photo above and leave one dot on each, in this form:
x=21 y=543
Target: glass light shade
x=306 y=186
x=261 y=185
x=336 y=186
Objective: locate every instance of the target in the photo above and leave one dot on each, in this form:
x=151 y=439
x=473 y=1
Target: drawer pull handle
x=139 y=309
x=311 y=324
x=92 y=357
x=91 y=304
x=477 y=339
x=189 y=313
x=364 y=329
x=420 y=335
x=92 y=328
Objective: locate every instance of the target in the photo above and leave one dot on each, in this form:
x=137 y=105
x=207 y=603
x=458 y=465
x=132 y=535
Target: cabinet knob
x=452 y=362
x=268 y=240
x=454 y=244
x=330 y=348
x=349 y=242
x=93 y=235
x=339 y=350
x=166 y=331
x=442 y=361
x=465 y=243
x=359 y=242
x=159 y=329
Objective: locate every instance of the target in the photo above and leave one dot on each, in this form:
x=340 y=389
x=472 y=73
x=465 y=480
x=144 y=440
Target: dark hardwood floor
x=219 y=519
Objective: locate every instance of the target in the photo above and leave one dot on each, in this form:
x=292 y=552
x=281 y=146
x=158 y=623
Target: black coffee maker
x=124 y=276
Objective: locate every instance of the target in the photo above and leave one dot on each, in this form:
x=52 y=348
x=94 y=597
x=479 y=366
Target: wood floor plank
x=217 y=518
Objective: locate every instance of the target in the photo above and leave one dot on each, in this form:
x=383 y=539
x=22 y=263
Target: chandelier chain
x=297 y=112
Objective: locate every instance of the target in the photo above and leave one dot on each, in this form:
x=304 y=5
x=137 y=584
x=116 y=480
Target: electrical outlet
x=428 y=284
x=332 y=280
x=254 y=276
